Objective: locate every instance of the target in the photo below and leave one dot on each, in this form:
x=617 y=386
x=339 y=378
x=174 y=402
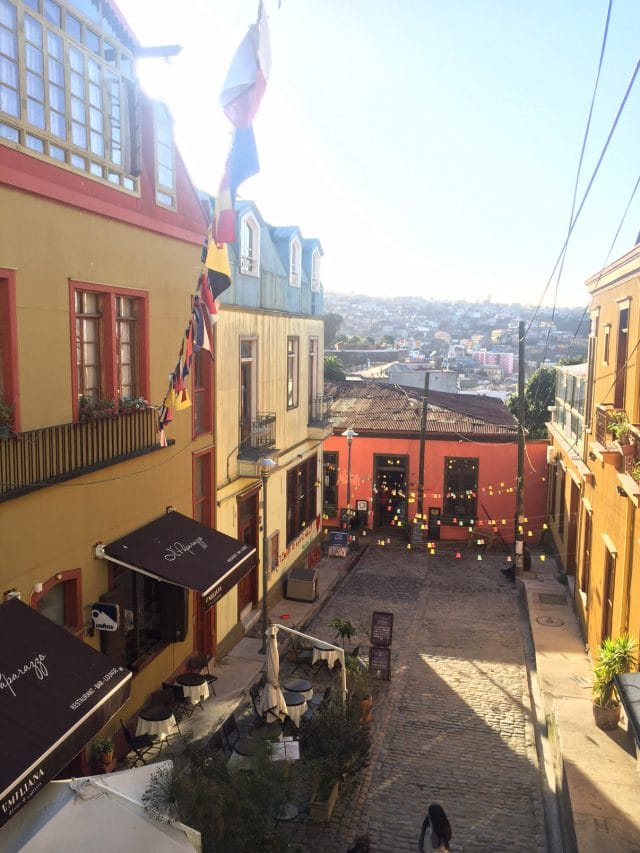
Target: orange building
x=470 y=465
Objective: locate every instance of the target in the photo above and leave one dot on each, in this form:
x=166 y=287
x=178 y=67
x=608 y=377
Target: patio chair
x=199 y=662
x=254 y=692
x=218 y=745
x=230 y=730
x=140 y=744
x=301 y=657
x=319 y=699
x=183 y=708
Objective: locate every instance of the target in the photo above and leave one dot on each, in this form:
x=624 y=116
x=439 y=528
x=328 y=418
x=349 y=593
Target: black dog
x=440 y=834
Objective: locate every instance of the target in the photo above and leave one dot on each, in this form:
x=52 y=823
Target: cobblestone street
x=454 y=724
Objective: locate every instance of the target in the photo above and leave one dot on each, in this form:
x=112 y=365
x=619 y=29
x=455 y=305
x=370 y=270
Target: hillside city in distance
x=456 y=336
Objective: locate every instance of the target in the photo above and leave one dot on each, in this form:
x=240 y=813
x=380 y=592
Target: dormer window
x=294 y=264
x=165 y=165
x=249 y=246
x=315 y=270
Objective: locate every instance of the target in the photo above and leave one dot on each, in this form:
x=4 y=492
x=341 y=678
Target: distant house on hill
x=470 y=461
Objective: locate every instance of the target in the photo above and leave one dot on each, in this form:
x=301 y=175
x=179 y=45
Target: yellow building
x=595 y=474
x=100 y=242
x=269 y=405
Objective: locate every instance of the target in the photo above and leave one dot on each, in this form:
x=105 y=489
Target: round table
x=325 y=652
x=194 y=687
x=157 y=721
x=296 y=706
x=246 y=746
x=300 y=685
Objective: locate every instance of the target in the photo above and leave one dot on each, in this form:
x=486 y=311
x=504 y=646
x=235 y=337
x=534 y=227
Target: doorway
x=248 y=535
x=390 y=490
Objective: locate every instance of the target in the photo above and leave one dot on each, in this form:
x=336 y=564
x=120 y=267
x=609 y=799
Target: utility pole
x=417 y=528
x=518 y=531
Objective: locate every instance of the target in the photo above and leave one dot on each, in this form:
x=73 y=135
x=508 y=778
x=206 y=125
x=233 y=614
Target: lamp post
x=266 y=467
x=349 y=434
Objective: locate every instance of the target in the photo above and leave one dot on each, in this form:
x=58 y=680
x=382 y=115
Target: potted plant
x=103 y=751
x=334 y=745
x=132 y=404
x=635 y=472
x=360 y=687
x=6 y=418
x=343 y=628
x=613 y=657
x=618 y=426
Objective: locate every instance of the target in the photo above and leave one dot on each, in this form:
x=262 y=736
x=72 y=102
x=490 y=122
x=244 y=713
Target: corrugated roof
x=369 y=406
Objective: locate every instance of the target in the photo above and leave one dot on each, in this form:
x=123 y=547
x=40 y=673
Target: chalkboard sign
x=338 y=544
x=380 y=663
x=381 y=629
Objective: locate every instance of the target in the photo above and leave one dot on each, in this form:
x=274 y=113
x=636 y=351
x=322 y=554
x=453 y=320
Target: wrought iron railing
x=42 y=457
x=603 y=411
x=319 y=411
x=632 y=460
x=257 y=435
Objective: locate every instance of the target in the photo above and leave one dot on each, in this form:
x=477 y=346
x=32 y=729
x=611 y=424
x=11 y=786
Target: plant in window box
x=6 y=419
x=94 y=410
x=132 y=404
x=618 y=426
x=635 y=472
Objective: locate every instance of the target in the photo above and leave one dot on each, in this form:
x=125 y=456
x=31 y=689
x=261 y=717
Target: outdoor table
x=299 y=685
x=325 y=652
x=156 y=721
x=296 y=706
x=194 y=687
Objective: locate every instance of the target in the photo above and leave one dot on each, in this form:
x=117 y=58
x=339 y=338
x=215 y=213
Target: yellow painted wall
x=53 y=530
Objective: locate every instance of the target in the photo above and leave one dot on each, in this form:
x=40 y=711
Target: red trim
x=208 y=481
x=109 y=353
x=72 y=580
x=9 y=335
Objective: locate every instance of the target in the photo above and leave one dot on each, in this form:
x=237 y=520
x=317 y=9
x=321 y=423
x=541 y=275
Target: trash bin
x=302 y=584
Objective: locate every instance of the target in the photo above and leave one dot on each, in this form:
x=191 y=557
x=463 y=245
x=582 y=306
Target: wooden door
x=248 y=535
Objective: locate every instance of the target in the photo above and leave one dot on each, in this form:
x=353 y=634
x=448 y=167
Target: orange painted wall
x=496 y=486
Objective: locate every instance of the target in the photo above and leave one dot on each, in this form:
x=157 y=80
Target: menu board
x=380 y=663
x=338 y=544
x=381 y=628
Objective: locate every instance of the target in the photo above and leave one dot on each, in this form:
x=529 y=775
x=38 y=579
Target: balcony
x=319 y=425
x=42 y=457
x=257 y=437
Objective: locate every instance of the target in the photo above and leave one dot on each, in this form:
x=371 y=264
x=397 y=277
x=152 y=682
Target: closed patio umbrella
x=272 y=704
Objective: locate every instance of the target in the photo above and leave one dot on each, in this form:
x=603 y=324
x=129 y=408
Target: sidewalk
x=597 y=778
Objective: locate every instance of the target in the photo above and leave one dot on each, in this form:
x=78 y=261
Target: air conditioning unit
x=552 y=455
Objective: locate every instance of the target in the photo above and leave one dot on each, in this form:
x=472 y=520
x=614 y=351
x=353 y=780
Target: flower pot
x=606 y=718
x=320 y=811
x=367 y=705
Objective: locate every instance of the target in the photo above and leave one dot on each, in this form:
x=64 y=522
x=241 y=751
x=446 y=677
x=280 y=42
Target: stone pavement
x=456 y=724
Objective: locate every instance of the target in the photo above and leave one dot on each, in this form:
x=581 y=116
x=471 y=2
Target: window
x=294 y=263
x=61 y=600
x=151 y=615
x=301 y=496
x=165 y=167
x=591 y=361
x=607 y=336
x=561 y=482
x=608 y=593
x=248 y=388
x=274 y=550
x=314 y=411
x=249 y=246
x=292 y=372
x=8 y=343
x=330 y=484
x=621 y=357
x=110 y=331
x=586 y=552
x=202 y=488
x=460 y=488
x=202 y=375
x=65 y=92
x=315 y=270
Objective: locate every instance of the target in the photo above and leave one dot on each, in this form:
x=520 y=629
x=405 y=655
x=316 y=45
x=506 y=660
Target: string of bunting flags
x=240 y=98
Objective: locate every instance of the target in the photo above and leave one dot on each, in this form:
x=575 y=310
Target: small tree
x=334 y=368
x=539 y=394
x=332 y=323
x=343 y=628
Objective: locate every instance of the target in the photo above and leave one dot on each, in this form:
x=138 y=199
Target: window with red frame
x=301 y=496
x=110 y=343
x=61 y=600
x=202 y=488
x=202 y=393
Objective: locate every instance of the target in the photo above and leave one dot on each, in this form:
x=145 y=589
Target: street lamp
x=266 y=467
x=349 y=434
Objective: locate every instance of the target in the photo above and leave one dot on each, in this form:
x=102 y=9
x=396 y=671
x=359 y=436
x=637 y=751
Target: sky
x=431 y=146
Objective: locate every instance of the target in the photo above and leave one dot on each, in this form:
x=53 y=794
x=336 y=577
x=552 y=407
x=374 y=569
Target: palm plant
x=613 y=657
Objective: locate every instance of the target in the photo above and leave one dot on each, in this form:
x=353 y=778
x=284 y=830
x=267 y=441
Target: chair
x=254 y=692
x=199 y=662
x=355 y=654
x=183 y=708
x=140 y=744
x=319 y=699
x=230 y=730
x=218 y=745
x=301 y=657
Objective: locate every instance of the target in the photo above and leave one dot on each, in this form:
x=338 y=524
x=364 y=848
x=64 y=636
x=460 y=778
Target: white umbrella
x=272 y=704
